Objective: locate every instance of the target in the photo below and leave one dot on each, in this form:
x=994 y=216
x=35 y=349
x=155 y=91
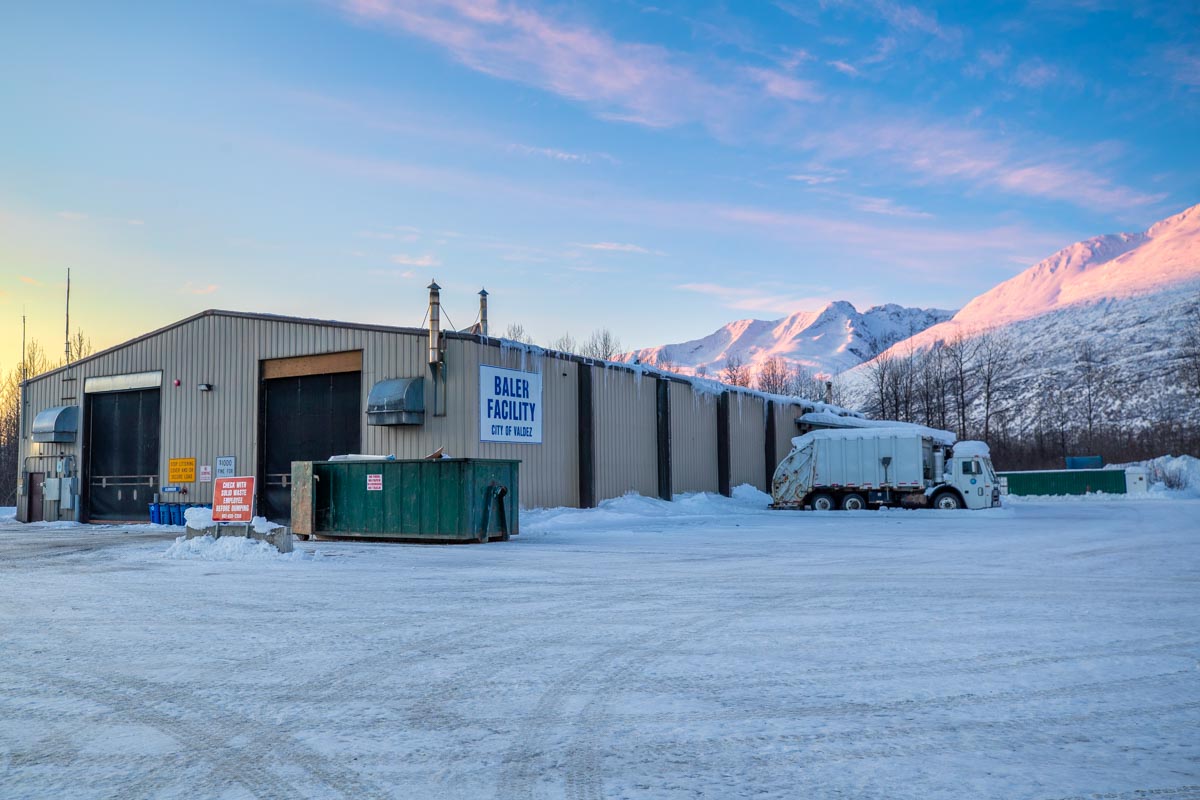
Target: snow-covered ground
x=706 y=648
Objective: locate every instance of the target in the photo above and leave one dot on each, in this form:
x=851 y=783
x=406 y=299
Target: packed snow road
x=706 y=648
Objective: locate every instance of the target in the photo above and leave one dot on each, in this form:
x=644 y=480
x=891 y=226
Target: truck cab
x=969 y=470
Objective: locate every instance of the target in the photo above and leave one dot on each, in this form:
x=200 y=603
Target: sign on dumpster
x=233 y=499
x=375 y=483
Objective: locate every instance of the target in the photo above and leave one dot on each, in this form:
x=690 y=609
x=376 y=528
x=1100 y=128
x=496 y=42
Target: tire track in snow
x=518 y=773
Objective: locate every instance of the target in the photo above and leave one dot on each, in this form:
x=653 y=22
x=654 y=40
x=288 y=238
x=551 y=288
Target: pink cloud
x=781 y=85
x=637 y=82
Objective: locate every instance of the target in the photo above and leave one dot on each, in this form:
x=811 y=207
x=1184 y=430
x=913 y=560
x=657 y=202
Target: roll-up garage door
x=122 y=447
x=305 y=418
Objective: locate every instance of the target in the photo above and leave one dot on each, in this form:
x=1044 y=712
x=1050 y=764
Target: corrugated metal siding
x=785 y=428
x=693 y=440
x=626 y=433
x=747 y=440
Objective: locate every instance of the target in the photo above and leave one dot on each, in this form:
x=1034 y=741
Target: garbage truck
x=862 y=468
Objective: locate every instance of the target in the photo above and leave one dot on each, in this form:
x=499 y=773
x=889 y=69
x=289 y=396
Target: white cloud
x=425 y=260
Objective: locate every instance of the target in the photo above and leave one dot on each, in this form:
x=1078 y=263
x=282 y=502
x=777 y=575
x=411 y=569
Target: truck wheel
x=822 y=502
x=853 y=502
x=947 y=501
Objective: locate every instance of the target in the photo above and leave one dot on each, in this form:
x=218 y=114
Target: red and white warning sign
x=374 y=483
x=233 y=499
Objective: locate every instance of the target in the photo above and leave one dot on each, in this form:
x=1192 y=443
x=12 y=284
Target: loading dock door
x=305 y=418
x=121 y=451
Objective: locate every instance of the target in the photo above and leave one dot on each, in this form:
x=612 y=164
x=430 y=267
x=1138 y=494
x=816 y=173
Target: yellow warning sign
x=181 y=470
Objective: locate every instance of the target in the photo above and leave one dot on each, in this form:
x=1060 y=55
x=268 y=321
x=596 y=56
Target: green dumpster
x=442 y=500
x=1065 y=481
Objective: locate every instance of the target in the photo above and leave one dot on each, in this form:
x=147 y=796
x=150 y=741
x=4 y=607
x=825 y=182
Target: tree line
x=974 y=386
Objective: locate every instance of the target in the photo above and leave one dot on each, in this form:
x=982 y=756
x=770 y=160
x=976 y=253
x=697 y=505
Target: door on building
x=305 y=418
x=121 y=449
x=37 y=496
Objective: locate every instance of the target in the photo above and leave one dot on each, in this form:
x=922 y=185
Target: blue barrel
x=176 y=513
x=155 y=516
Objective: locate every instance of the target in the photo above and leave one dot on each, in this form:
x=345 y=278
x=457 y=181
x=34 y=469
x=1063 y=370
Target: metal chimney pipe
x=829 y=392
x=483 y=295
x=435 y=323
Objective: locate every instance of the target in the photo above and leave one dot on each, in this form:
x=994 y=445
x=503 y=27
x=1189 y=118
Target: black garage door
x=122 y=430
x=305 y=418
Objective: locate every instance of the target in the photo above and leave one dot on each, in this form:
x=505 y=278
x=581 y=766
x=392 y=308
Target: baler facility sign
x=510 y=406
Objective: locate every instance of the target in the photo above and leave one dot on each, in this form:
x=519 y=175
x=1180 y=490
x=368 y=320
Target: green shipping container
x=445 y=500
x=1065 y=481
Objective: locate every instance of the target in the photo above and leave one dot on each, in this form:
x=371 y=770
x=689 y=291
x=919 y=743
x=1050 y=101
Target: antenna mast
x=67 y=339
x=24 y=375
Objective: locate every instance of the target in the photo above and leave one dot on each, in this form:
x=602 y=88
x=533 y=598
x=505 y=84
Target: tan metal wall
x=785 y=428
x=693 y=440
x=747 y=440
x=626 y=433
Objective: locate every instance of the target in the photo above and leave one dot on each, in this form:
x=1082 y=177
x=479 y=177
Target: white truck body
x=885 y=466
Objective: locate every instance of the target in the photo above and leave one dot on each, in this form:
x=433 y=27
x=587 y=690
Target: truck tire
x=947 y=501
x=822 y=502
x=853 y=502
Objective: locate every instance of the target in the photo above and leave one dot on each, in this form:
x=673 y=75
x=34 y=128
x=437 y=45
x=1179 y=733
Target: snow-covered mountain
x=828 y=341
x=1107 y=269
x=1129 y=297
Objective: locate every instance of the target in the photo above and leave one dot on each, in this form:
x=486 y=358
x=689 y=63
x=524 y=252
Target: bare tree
x=803 y=383
x=515 y=332
x=735 y=372
x=960 y=357
x=994 y=369
x=564 y=344
x=1093 y=381
x=601 y=344
x=773 y=376
x=1189 y=350
x=80 y=345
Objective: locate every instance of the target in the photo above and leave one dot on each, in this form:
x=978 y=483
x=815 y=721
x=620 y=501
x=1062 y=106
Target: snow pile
x=199 y=519
x=231 y=548
x=630 y=511
x=1178 y=473
x=971 y=448
x=7 y=514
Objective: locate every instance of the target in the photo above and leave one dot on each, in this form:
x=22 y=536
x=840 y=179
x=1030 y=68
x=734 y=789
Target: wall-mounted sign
x=170 y=489
x=510 y=406
x=206 y=473
x=181 y=470
x=233 y=499
x=374 y=483
x=226 y=466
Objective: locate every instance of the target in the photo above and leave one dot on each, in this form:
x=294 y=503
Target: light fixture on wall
x=206 y=387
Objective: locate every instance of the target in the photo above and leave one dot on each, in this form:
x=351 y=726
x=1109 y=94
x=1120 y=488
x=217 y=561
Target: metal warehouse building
x=226 y=393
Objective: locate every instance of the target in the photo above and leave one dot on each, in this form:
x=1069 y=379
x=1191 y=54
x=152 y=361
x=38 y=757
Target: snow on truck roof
x=875 y=430
x=972 y=448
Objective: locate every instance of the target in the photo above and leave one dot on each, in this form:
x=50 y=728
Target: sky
x=657 y=169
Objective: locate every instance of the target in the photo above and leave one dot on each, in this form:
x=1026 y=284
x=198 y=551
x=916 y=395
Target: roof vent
x=57 y=424
x=397 y=401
